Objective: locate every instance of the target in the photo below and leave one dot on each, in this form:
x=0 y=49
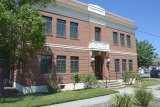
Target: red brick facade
x=31 y=74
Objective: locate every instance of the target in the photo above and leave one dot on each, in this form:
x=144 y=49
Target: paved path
x=103 y=100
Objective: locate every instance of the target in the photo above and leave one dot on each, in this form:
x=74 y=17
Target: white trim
x=29 y=89
x=96 y=9
x=122 y=52
x=87 y=49
x=106 y=11
x=66 y=46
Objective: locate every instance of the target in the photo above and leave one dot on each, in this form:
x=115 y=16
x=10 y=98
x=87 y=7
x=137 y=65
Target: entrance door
x=98 y=67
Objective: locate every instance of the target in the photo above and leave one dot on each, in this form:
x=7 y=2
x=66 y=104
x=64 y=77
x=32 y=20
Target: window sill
x=115 y=44
x=129 y=47
x=74 y=38
x=61 y=37
x=49 y=35
x=122 y=45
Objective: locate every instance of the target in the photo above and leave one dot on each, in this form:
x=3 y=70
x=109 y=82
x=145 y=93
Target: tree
x=145 y=53
x=21 y=33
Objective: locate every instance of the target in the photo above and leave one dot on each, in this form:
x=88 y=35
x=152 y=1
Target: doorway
x=99 y=67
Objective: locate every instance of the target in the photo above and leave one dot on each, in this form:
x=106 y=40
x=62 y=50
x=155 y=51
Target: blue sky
x=145 y=14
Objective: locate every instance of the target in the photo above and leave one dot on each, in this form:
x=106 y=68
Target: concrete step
x=115 y=85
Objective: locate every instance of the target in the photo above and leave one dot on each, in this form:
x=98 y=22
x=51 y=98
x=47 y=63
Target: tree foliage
x=21 y=32
x=146 y=53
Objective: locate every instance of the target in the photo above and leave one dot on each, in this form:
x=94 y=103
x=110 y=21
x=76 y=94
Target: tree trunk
x=1 y=85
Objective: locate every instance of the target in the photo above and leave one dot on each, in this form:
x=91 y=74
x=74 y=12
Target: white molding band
x=122 y=52
x=87 y=49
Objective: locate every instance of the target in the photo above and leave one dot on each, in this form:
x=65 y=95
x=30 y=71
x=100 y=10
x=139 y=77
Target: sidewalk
x=103 y=100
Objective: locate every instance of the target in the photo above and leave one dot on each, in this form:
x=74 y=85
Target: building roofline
x=105 y=11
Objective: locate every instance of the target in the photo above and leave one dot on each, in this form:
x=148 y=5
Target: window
x=73 y=30
x=122 y=40
x=116 y=62
x=130 y=65
x=74 y=64
x=115 y=38
x=61 y=64
x=46 y=64
x=128 y=41
x=61 y=28
x=48 y=28
x=97 y=34
x=124 y=65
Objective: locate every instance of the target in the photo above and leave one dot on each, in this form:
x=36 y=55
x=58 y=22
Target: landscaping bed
x=41 y=99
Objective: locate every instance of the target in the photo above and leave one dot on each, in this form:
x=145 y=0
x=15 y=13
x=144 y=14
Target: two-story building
x=83 y=38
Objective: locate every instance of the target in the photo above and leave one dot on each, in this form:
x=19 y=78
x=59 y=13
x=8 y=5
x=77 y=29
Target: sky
x=144 y=13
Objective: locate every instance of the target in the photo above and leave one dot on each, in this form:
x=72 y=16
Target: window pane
x=97 y=34
x=115 y=38
x=122 y=40
x=61 y=64
x=130 y=65
x=74 y=64
x=46 y=64
x=73 y=30
x=116 y=62
x=128 y=41
x=48 y=28
x=61 y=28
x=124 y=65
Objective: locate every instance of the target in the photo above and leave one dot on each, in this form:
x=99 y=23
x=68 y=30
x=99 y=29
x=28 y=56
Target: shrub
x=53 y=87
x=89 y=80
x=138 y=77
x=76 y=78
x=122 y=100
x=142 y=97
x=129 y=77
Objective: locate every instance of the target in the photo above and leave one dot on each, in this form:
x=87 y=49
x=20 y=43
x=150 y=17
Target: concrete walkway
x=94 y=102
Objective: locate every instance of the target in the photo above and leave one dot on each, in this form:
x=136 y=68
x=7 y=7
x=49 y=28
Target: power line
x=148 y=33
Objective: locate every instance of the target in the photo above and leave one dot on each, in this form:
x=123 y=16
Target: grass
x=41 y=99
x=149 y=82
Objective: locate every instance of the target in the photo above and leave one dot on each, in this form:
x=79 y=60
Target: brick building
x=82 y=38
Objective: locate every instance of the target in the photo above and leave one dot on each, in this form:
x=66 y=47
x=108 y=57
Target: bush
x=122 y=100
x=142 y=97
x=129 y=77
x=89 y=80
x=53 y=87
x=76 y=78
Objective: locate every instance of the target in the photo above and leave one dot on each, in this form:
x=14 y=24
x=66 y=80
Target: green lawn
x=149 y=82
x=48 y=99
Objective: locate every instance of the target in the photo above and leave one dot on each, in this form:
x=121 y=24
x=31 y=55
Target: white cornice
x=87 y=49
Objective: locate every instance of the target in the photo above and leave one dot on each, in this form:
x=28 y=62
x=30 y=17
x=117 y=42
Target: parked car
x=155 y=73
